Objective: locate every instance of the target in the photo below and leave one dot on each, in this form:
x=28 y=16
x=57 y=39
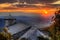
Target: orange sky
x=44 y=11
x=29 y=10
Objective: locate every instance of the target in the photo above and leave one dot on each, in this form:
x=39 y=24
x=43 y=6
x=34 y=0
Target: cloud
x=4 y=1
x=29 y=1
x=44 y=2
x=57 y=2
x=47 y=1
x=4 y=5
x=38 y=1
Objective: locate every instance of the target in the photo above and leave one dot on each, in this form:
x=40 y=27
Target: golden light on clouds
x=57 y=2
x=4 y=5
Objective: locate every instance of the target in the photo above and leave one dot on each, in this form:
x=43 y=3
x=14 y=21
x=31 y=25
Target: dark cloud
x=29 y=1
x=47 y=1
x=4 y=1
x=38 y=1
x=55 y=5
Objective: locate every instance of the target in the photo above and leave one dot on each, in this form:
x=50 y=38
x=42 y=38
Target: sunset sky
x=44 y=7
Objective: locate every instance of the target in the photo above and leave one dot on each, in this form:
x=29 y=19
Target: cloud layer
x=29 y=1
x=49 y=3
x=4 y=1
